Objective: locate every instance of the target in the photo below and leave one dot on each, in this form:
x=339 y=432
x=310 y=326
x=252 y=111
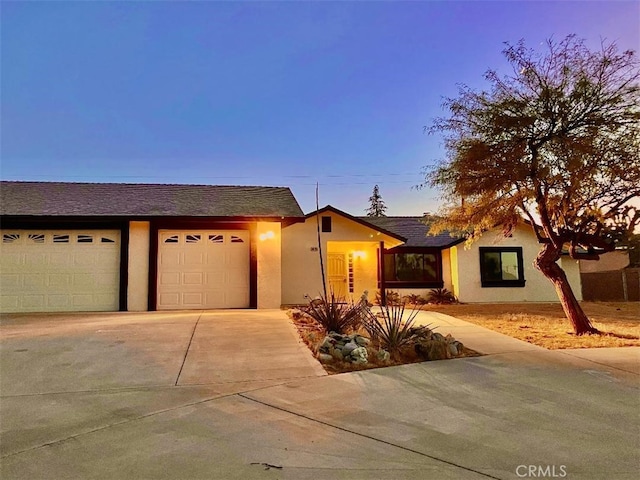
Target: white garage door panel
x=58 y=271
x=169 y=300
x=203 y=269
x=33 y=301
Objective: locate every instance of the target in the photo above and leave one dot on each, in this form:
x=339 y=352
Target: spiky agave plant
x=391 y=331
x=335 y=315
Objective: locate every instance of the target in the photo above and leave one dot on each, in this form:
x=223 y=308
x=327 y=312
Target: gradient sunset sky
x=259 y=93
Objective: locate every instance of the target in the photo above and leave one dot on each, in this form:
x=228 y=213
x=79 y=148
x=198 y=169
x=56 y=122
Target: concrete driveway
x=235 y=395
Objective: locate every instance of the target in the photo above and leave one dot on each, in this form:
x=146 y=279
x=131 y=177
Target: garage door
x=203 y=269
x=59 y=271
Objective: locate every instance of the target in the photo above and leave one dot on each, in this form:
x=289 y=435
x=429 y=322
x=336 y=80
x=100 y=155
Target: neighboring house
x=137 y=247
x=608 y=262
x=611 y=278
x=109 y=247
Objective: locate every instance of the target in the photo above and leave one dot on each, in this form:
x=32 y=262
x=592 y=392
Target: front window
x=501 y=267
x=413 y=269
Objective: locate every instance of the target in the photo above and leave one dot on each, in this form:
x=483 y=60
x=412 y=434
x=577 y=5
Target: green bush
x=392 y=297
x=441 y=295
x=414 y=299
x=335 y=315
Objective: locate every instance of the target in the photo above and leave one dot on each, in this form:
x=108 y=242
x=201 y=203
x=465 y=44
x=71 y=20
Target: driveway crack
x=608 y=365
x=186 y=353
x=321 y=422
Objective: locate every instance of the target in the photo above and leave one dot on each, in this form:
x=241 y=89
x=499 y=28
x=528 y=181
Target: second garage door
x=203 y=269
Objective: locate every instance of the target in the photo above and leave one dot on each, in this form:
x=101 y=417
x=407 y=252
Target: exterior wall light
x=359 y=254
x=266 y=235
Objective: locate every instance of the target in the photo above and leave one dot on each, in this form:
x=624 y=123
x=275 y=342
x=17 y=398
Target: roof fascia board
x=454 y=242
x=364 y=223
x=101 y=218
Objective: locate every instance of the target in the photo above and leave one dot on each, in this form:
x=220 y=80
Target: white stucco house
x=395 y=253
x=136 y=247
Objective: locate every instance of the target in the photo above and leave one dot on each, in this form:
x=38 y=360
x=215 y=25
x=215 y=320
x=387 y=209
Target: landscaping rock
x=327 y=343
x=342 y=347
x=431 y=345
x=325 y=358
x=438 y=337
x=438 y=350
x=384 y=356
x=359 y=355
x=349 y=347
x=422 y=332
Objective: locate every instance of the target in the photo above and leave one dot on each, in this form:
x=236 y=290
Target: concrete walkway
x=620 y=363
x=156 y=396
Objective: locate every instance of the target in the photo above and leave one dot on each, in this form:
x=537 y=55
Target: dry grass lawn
x=545 y=324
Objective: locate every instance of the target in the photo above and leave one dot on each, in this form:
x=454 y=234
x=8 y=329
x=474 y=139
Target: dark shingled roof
x=414 y=230
x=144 y=200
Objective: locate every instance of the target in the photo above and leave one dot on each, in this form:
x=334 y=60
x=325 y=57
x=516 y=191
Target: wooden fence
x=615 y=286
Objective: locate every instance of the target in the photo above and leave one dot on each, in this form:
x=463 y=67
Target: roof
x=415 y=230
x=361 y=221
x=144 y=200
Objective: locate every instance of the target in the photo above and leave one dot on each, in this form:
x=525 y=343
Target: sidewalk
x=622 y=363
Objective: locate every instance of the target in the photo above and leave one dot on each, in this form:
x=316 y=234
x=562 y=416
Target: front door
x=337 y=274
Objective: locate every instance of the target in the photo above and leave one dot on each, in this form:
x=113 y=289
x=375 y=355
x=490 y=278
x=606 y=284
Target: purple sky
x=259 y=93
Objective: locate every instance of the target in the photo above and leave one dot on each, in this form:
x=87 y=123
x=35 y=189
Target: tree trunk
x=546 y=263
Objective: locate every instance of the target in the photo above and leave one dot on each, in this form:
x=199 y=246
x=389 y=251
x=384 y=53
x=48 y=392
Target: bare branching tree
x=556 y=142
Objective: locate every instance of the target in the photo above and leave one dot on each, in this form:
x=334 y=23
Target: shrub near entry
x=441 y=296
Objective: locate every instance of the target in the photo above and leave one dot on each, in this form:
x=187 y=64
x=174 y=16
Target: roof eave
x=288 y=220
x=329 y=208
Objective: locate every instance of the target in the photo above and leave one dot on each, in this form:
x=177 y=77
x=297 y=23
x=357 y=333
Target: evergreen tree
x=376 y=204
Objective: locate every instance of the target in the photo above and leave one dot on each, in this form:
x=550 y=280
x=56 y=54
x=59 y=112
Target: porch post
x=383 y=287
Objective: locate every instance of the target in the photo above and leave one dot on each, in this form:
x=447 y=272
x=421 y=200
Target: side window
x=501 y=267
x=326 y=224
